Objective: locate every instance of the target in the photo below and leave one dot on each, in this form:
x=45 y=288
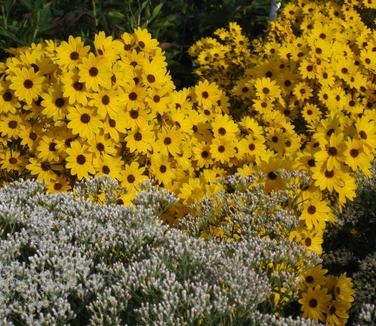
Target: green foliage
x=177 y=24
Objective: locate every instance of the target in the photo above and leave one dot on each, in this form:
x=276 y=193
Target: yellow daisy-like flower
x=333 y=154
x=108 y=165
x=162 y=169
x=8 y=102
x=168 y=141
x=84 y=121
x=54 y=104
x=41 y=169
x=140 y=140
x=313 y=277
x=58 y=183
x=267 y=88
x=106 y=47
x=222 y=150
x=224 y=126
x=132 y=176
x=107 y=102
x=338 y=313
x=70 y=54
x=115 y=127
x=27 y=84
x=95 y=72
x=10 y=125
x=202 y=156
x=356 y=157
x=100 y=145
x=314 y=303
x=316 y=213
x=73 y=89
x=207 y=94
x=11 y=160
x=343 y=289
x=79 y=160
x=47 y=150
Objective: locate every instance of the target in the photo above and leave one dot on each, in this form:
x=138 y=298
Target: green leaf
x=27 y=4
x=156 y=11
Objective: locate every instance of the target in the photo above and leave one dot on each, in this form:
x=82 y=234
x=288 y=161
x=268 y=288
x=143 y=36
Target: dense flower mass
x=302 y=99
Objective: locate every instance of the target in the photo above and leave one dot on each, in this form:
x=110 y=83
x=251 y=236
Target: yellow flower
x=79 y=160
x=140 y=140
x=108 y=165
x=69 y=54
x=95 y=72
x=315 y=303
x=84 y=121
x=27 y=84
x=267 y=88
x=343 y=289
x=207 y=94
x=8 y=102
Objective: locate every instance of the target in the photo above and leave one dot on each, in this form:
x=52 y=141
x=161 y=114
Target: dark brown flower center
x=13 y=160
x=222 y=131
x=167 y=141
x=332 y=151
x=81 y=159
x=100 y=147
x=112 y=123
x=221 y=148
x=105 y=99
x=311 y=162
x=354 y=152
x=78 y=86
x=133 y=96
x=204 y=154
x=156 y=98
x=137 y=136
x=33 y=135
x=141 y=44
x=52 y=147
x=12 y=124
x=329 y=174
x=150 y=78
x=272 y=175
x=313 y=303
x=162 y=168
x=134 y=114
x=105 y=169
x=251 y=147
x=131 y=178
x=205 y=94
x=266 y=90
x=85 y=118
x=311 y=209
x=58 y=186
x=28 y=83
x=93 y=71
x=74 y=55
x=7 y=96
x=309 y=279
x=363 y=134
x=59 y=102
x=308 y=242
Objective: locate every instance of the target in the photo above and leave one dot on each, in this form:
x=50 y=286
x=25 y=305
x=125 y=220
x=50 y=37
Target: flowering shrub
x=309 y=91
x=67 y=260
x=303 y=100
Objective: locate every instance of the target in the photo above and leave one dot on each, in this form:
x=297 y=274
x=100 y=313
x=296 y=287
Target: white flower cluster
x=65 y=260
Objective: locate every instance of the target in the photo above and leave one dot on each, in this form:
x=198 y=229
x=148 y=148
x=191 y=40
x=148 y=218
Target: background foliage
x=176 y=24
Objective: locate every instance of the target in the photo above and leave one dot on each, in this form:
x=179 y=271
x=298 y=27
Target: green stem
x=94 y=5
